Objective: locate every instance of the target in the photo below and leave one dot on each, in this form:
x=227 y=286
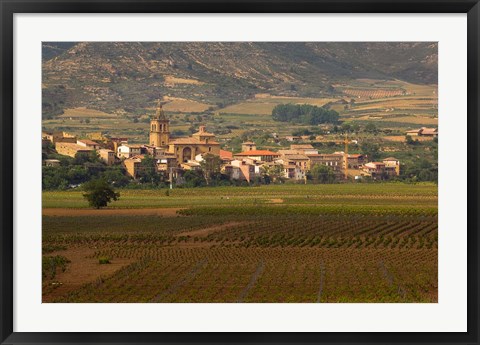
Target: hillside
x=127 y=77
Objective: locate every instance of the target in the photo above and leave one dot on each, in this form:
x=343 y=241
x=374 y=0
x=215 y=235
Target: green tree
x=410 y=141
x=371 y=128
x=211 y=166
x=116 y=176
x=99 y=193
x=90 y=157
x=273 y=173
x=148 y=171
x=372 y=150
x=322 y=174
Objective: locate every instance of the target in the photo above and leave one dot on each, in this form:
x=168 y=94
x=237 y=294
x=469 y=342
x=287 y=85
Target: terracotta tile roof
x=226 y=154
x=257 y=153
x=88 y=142
x=429 y=131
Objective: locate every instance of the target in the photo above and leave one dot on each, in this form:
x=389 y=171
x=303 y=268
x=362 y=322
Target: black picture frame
x=8 y=8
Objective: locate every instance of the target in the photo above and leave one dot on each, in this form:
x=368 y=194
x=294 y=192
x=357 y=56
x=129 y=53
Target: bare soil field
x=85 y=112
x=83 y=268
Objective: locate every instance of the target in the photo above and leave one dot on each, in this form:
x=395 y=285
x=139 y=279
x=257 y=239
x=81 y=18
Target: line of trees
x=83 y=168
x=304 y=113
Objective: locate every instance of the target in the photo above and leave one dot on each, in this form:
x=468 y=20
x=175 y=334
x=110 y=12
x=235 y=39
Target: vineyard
x=373 y=93
x=337 y=243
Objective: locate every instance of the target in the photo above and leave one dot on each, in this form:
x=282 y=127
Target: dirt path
x=206 y=231
x=276 y=201
x=80 y=212
x=80 y=270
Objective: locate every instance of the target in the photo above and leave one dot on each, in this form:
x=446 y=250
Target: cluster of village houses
x=177 y=155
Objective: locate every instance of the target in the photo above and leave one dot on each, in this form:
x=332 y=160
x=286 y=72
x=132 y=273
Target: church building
x=185 y=148
x=159 y=128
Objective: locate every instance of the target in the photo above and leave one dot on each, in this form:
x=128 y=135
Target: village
x=175 y=155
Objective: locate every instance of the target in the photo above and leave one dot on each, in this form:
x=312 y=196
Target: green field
x=282 y=243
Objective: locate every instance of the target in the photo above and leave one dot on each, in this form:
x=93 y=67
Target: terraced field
x=291 y=243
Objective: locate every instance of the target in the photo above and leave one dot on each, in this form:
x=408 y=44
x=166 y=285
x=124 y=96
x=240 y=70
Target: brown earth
x=81 y=270
x=76 y=212
x=205 y=232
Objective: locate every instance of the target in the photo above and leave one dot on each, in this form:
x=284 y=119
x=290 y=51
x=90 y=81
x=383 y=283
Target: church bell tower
x=159 y=128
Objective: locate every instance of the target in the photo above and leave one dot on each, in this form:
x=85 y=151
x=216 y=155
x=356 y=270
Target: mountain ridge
x=128 y=76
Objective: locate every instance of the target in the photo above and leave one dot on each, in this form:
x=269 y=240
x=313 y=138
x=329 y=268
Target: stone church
x=184 y=148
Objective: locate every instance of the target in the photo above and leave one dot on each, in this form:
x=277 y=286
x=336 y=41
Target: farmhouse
x=424 y=131
x=71 y=149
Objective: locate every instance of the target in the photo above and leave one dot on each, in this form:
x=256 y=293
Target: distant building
x=226 y=156
x=71 y=149
x=106 y=155
x=293 y=138
x=375 y=169
x=133 y=165
x=414 y=132
x=51 y=162
x=186 y=149
x=128 y=151
x=249 y=146
x=392 y=166
x=295 y=166
x=333 y=160
x=56 y=137
x=356 y=161
x=429 y=132
x=424 y=131
x=166 y=162
x=261 y=155
x=191 y=165
x=88 y=143
x=114 y=143
x=304 y=149
x=159 y=128
x=242 y=170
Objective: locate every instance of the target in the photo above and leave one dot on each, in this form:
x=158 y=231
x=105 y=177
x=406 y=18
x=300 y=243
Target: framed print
x=246 y=172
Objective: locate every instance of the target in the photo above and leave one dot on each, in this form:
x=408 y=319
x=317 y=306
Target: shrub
x=104 y=260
